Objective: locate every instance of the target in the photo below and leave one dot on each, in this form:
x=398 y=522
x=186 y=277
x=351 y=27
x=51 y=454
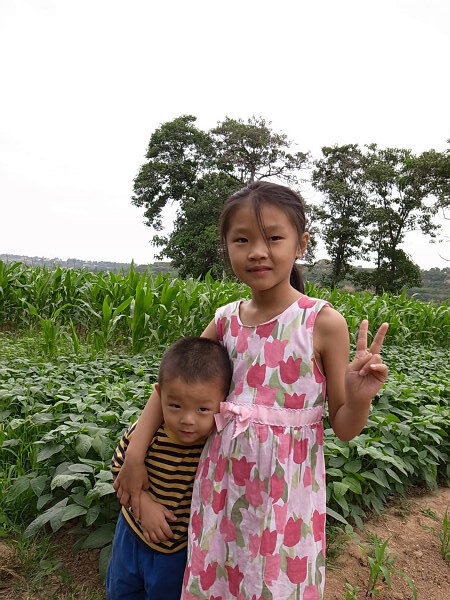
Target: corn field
x=139 y=311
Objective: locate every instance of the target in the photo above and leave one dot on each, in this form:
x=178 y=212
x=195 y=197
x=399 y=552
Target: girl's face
x=261 y=261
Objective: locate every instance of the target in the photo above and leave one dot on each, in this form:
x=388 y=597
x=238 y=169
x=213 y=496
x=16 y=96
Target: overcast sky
x=85 y=83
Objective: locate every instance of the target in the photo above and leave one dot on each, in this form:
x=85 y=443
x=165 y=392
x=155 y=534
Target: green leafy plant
x=443 y=535
x=381 y=565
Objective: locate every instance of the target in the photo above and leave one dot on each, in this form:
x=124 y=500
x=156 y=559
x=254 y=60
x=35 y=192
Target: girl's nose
x=258 y=250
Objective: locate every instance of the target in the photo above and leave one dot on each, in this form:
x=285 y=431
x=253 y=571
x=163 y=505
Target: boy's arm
x=133 y=477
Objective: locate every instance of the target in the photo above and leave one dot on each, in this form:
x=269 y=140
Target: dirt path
x=417 y=554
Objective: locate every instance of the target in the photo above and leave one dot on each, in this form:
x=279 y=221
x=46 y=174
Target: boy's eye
x=173 y=405
x=204 y=409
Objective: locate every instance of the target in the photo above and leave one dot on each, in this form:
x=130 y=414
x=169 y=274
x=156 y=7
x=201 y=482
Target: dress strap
x=244 y=414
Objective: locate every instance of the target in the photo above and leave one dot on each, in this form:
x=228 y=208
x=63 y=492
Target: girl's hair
x=259 y=193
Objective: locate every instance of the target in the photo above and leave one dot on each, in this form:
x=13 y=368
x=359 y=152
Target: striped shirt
x=171 y=467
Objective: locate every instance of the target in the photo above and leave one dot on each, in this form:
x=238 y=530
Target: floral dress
x=257 y=526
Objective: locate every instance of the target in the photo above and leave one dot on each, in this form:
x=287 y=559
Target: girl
x=258 y=506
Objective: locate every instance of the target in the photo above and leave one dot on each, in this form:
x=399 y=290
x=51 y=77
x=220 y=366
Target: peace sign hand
x=366 y=373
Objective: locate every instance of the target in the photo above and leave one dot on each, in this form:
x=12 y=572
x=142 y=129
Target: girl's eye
x=274 y=238
x=203 y=410
x=241 y=240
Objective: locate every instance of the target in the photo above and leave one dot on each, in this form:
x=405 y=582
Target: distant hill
x=435 y=282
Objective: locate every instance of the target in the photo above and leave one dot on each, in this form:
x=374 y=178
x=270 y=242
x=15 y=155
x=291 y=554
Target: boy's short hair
x=195 y=359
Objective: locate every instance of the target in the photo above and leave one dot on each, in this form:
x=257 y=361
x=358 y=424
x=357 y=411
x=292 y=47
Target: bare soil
x=416 y=549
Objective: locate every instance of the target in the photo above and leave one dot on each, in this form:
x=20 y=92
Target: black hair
x=195 y=359
x=259 y=193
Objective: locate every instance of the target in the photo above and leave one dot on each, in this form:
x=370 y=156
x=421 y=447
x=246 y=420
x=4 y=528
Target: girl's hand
x=129 y=483
x=366 y=373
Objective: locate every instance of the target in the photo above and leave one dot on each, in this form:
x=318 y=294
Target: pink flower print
x=254 y=543
x=238 y=388
x=290 y=370
x=227 y=528
x=241 y=470
x=262 y=431
x=214 y=448
x=205 y=490
x=318 y=522
x=311 y=593
x=208 y=577
x=242 y=339
x=311 y=320
x=284 y=446
x=319 y=433
x=272 y=568
x=205 y=467
x=197 y=559
x=296 y=569
x=318 y=376
x=296 y=401
x=274 y=352
x=307 y=477
x=234 y=326
x=219 y=501
x=292 y=532
x=187 y=572
x=256 y=375
x=265 y=329
x=220 y=468
x=234 y=579
x=265 y=396
x=196 y=524
x=268 y=542
x=305 y=302
x=300 y=451
x=276 y=487
x=280 y=516
x=253 y=491
x=220 y=328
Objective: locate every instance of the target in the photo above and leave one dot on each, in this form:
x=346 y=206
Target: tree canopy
x=198 y=170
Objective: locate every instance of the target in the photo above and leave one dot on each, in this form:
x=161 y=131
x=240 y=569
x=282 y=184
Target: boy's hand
x=153 y=521
x=129 y=483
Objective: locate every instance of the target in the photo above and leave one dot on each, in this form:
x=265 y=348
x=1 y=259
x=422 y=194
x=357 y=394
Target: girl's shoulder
x=227 y=310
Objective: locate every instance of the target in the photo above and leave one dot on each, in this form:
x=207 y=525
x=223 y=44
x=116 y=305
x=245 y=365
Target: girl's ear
x=302 y=245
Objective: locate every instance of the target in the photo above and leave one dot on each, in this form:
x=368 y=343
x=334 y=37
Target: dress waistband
x=244 y=414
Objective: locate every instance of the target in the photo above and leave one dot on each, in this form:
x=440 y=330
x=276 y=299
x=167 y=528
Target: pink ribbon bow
x=241 y=414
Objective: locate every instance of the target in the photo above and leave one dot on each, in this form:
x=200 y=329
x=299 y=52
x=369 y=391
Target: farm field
x=79 y=354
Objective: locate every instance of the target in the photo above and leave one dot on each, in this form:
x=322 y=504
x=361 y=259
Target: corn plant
x=381 y=565
x=443 y=536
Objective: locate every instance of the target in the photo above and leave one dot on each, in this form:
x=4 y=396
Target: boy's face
x=189 y=408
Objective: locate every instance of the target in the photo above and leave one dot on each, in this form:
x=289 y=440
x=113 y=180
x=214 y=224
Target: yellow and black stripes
x=171 y=468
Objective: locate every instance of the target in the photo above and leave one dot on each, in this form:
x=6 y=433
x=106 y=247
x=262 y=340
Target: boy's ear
x=157 y=389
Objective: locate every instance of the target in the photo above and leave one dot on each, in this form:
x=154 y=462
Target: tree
x=340 y=176
x=198 y=170
x=401 y=194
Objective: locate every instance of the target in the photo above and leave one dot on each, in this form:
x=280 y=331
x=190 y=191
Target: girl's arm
x=133 y=475
x=350 y=387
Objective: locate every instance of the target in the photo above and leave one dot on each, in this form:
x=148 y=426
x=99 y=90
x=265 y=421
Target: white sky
x=84 y=83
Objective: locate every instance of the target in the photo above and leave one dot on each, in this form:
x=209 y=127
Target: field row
x=137 y=311
x=60 y=421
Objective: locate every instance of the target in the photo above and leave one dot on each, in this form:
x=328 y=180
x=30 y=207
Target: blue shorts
x=137 y=572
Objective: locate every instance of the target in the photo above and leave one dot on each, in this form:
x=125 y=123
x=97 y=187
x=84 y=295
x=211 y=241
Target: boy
x=194 y=377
